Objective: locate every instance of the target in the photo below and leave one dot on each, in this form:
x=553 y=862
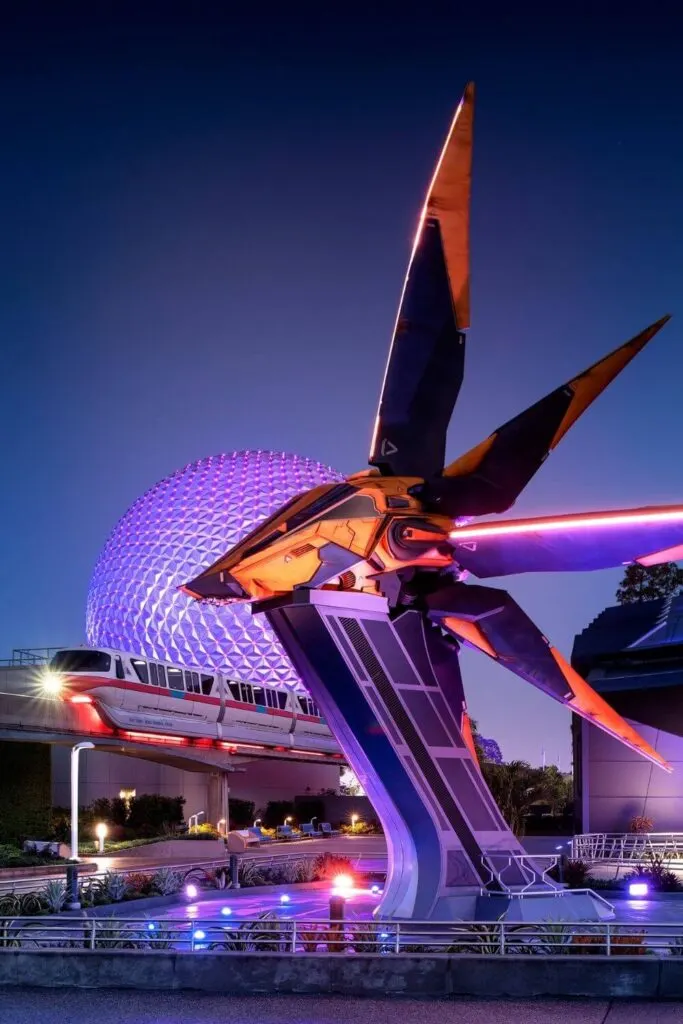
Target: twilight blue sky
x=205 y=221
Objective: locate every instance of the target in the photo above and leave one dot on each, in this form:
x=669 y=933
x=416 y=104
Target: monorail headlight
x=51 y=682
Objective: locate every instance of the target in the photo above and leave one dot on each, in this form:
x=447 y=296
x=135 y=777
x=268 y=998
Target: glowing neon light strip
x=152 y=737
x=566 y=523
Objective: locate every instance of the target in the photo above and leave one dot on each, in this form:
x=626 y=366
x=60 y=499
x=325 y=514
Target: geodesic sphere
x=176 y=529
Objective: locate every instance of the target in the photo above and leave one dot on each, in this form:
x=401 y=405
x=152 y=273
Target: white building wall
x=105 y=775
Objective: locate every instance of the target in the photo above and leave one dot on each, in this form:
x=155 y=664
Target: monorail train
x=137 y=693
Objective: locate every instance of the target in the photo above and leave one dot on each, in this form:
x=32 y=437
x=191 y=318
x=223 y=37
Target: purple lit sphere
x=170 y=534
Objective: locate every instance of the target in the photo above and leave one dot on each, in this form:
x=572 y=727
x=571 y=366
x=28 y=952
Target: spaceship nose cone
x=219 y=586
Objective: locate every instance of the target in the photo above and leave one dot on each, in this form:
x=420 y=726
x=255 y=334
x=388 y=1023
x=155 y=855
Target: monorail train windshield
x=81 y=661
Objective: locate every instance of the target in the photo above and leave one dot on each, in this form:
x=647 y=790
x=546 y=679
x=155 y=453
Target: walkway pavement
x=79 y=1007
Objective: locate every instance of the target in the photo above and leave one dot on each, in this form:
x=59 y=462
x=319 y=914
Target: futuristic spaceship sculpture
x=363 y=581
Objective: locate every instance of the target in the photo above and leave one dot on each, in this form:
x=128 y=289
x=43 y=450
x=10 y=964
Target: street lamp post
x=72 y=900
x=75 y=751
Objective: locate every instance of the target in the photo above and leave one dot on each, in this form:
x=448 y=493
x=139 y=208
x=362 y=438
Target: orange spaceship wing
x=491 y=621
x=490 y=477
x=427 y=355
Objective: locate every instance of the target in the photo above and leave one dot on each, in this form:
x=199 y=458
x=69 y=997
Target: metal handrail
x=626 y=847
x=279 y=934
x=34 y=883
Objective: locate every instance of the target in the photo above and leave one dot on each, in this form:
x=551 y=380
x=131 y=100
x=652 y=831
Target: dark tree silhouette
x=647 y=582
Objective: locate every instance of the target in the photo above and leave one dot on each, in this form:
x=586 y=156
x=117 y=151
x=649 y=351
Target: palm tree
x=515 y=787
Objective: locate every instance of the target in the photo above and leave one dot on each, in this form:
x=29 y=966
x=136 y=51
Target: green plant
x=276 y=812
x=114 y=885
x=551 y=939
x=25 y=794
x=656 y=872
x=251 y=873
x=8 y=933
x=111 y=933
x=30 y=903
x=361 y=828
x=91 y=893
x=574 y=874
x=9 y=905
x=13 y=857
x=159 y=935
x=54 y=895
x=167 y=882
x=266 y=934
x=365 y=937
x=476 y=938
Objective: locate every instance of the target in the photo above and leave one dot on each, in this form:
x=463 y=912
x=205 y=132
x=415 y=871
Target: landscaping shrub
x=14 y=857
x=276 y=812
x=327 y=865
x=151 y=813
x=574 y=874
x=140 y=883
x=308 y=808
x=655 y=871
x=25 y=792
x=620 y=945
x=242 y=813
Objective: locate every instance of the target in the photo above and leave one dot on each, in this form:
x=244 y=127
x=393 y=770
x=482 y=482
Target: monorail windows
x=175 y=678
x=81 y=661
x=246 y=695
x=162 y=675
x=276 y=699
x=259 y=696
x=119 y=668
x=308 y=707
x=207 y=685
x=234 y=690
x=153 y=674
x=140 y=670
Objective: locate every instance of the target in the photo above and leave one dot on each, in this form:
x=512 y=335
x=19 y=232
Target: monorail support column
x=218 y=802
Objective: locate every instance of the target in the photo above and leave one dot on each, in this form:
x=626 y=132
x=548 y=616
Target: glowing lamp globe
x=176 y=529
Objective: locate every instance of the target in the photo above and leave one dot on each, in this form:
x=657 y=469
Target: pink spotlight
x=191 y=891
x=342 y=885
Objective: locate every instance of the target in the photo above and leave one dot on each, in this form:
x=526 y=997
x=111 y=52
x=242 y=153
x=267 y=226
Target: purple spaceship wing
x=571 y=543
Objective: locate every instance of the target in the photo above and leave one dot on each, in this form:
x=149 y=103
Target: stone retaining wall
x=246 y=974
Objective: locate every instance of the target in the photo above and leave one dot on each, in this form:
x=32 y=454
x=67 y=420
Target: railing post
x=397 y=944
x=294 y=935
x=93 y=928
x=502 y=938
x=608 y=944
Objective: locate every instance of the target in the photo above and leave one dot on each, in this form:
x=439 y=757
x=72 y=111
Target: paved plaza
x=84 y=1007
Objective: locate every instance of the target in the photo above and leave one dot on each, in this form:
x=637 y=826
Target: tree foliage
x=647 y=582
x=517 y=788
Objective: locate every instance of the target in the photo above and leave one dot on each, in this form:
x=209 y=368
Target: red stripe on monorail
x=81 y=682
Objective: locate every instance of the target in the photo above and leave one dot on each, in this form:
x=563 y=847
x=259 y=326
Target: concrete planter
x=520 y=977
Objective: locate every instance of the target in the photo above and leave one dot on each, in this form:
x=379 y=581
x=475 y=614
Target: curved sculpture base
x=563 y=905
x=391 y=692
